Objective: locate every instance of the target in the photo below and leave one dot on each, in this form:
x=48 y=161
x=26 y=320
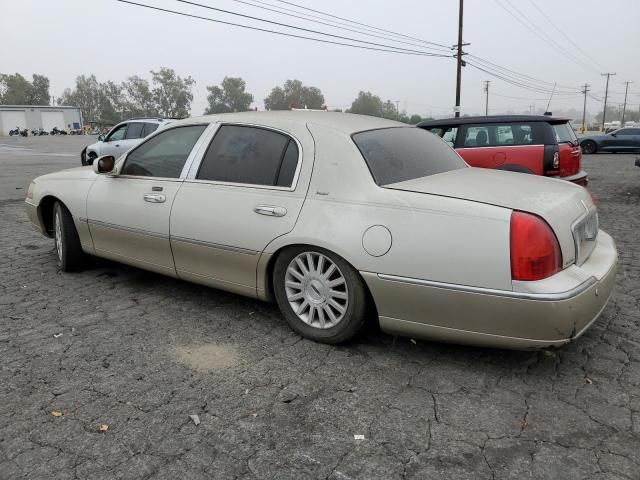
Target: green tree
x=86 y=96
x=171 y=93
x=230 y=96
x=138 y=99
x=414 y=119
x=99 y=102
x=293 y=94
x=39 y=90
x=366 y=103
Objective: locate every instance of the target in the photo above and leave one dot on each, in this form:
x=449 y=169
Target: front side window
x=250 y=155
x=450 y=135
x=134 y=131
x=404 y=153
x=163 y=155
x=117 y=134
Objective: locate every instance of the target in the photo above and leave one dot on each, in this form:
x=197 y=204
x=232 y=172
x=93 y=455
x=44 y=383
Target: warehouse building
x=38 y=116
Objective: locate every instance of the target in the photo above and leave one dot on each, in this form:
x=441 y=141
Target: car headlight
x=32 y=186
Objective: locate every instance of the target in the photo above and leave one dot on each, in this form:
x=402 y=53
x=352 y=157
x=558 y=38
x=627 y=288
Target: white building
x=38 y=116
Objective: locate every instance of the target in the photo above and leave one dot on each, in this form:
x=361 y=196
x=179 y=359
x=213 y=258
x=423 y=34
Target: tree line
x=167 y=94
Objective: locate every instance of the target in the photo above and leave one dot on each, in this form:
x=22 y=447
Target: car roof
x=344 y=122
x=492 y=119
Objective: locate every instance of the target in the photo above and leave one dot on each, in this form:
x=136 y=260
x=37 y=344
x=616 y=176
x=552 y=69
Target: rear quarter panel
x=433 y=237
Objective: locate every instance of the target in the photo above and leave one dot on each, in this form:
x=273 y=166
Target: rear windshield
x=399 y=154
x=564 y=133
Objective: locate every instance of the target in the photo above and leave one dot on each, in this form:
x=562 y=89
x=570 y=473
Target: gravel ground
x=137 y=353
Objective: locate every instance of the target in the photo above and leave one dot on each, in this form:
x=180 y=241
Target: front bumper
x=534 y=315
x=34 y=216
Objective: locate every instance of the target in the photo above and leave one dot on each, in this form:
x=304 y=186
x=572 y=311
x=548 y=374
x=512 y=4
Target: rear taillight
x=551 y=159
x=535 y=253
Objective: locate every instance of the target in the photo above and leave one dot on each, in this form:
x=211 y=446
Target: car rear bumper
x=579 y=178
x=535 y=315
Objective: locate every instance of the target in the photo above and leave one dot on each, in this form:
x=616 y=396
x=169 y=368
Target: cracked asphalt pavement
x=139 y=353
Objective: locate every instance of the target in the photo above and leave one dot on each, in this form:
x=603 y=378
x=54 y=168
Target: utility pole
x=624 y=109
x=486 y=103
x=398 y=109
x=606 y=94
x=584 y=108
x=459 y=67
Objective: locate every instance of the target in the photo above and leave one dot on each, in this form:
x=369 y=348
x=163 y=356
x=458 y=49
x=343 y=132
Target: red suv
x=537 y=144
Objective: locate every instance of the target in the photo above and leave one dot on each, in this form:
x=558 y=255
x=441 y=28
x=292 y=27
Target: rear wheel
x=321 y=296
x=588 y=147
x=69 y=253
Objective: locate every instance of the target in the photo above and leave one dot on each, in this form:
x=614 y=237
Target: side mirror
x=101 y=137
x=614 y=134
x=104 y=164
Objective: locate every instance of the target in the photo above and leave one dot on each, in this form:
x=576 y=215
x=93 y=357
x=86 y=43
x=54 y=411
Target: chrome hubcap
x=58 y=234
x=316 y=290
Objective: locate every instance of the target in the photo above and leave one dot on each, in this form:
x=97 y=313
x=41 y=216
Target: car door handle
x=154 y=198
x=270 y=210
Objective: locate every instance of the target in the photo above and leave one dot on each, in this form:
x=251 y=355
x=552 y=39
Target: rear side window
x=149 y=128
x=399 y=154
x=501 y=135
x=134 y=130
x=250 y=155
x=564 y=133
x=163 y=155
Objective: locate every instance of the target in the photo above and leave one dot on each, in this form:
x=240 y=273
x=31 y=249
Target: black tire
x=353 y=319
x=69 y=254
x=589 y=147
x=91 y=157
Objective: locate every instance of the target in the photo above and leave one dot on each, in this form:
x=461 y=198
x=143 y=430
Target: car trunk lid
x=567 y=208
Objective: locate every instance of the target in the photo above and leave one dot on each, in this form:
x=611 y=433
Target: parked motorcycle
x=24 y=133
x=15 y=131
x=39 y=132
x=55 y=131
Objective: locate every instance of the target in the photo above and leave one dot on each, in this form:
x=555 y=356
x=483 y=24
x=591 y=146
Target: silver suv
x=121 y=138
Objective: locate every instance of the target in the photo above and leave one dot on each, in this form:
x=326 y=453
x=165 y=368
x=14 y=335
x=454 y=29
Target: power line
x=599 y=65
x=536 y=31
x=359 y=23
x=333 y=23
x=308 y=30
x=285 y=34
x=511 y=80
x=525 y=78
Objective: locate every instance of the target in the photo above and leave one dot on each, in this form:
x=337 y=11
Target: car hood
x=559 y=202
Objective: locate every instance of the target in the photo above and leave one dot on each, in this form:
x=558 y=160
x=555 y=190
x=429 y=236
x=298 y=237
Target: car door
x=243 y=194
x=132 y=137
x=111 y=144
x=128 y=213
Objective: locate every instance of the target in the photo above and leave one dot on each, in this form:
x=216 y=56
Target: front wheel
x=69 y=253
x=588 y=147
x=321 y=296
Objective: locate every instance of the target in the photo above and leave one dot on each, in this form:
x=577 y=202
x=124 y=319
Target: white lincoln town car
x=342 y=218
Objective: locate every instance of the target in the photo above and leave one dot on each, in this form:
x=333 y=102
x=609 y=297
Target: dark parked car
x=621 y=140
x=535 y=144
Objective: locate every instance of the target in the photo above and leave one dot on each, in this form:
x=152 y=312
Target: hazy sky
x=113 y=40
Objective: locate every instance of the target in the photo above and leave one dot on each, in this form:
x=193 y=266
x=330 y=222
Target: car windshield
x=564 y=133
x=399 y=154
